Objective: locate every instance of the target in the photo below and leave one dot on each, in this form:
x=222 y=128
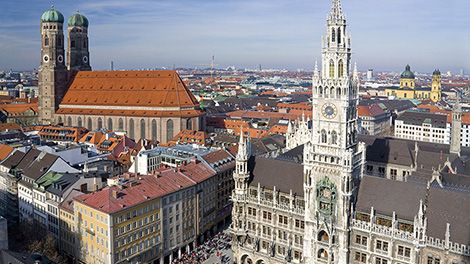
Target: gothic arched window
x=338 y=92
x=320 y=91
x=100 y=123
x=334 y=137
x=332 y=69
x=46 y=41
x=59 y=120
x=154 y=129
x=131 y=128
x=339 y=35
x=79 y=122
x=332 y=92
x=323 y=136
x=69 y=121
x=142 y=128
x=340 y=68
x=120 y=124
x=323 y=236
x=89 y=124
x=333 y=36
x=110 y=124
x=189 y=124
x=169 y=130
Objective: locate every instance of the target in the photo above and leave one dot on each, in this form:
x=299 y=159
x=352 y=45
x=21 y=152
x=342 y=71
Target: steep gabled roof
x=113 y=92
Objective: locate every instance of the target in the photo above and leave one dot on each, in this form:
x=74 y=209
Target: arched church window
x=100 y=123
x=46 y=41
x=189 y=124
x=131 y=128
x=85 y=43
x=89 y=124
x=142 y=128
x=323 y=236
x=334 y=137
x=154 y=129
x=323 y=136
x=120 y=124
x=320 y=89
x=59 y=120
x=340 y=68
x=169 y=130
x=339 y=35
x=72 y=44
x=110 y=124
x=332 y=69
x=322 y=254
x=79 y=121
x=69 y=121
x=332 y=92
x=338 y=93
x=333 y=35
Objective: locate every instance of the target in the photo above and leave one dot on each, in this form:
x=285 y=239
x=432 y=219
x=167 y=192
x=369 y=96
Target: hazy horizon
x=281 y=34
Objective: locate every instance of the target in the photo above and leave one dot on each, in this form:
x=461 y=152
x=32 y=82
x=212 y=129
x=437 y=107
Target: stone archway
x=245 y=259
x=261 y=261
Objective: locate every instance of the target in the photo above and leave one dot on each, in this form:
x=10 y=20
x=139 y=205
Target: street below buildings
x=213 y=251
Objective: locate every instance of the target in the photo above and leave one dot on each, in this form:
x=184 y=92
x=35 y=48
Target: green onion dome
x=407 y=74
x=77 y=20
x=52 y=15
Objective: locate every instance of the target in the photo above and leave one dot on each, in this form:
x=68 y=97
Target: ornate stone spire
x=355 y=73
x=315 y=71
x=456 y=128
x=336 y=12
x=242 y=154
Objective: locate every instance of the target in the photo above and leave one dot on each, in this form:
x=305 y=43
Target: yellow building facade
x=124 y=235
x=408 y=89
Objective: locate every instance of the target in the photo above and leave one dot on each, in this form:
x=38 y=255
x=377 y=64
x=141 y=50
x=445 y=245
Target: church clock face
x=329 y=110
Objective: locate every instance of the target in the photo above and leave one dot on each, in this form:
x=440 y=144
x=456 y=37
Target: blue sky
x=386 y=35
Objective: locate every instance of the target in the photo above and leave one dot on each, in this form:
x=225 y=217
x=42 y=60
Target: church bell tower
x=78 y=55
x=52 y=71
x=333 y=159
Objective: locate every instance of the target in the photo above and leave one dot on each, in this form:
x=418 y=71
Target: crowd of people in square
x=216 y=244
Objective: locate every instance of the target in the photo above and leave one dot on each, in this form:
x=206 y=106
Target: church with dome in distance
x=153 y=105
x=334 y=196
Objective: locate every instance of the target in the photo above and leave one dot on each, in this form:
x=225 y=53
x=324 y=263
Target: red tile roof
x=9 y=126
x=5 y=151
x=138 y=190
x=372 y=110
x=142 y=188
x=113 y=91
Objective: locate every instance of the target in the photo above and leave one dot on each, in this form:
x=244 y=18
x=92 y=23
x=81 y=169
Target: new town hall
x=340 y=198
x=144 y=104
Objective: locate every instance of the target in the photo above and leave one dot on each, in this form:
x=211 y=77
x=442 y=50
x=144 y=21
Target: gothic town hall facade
x=341 y=198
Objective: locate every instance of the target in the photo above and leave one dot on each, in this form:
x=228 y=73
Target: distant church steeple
x=456 y=128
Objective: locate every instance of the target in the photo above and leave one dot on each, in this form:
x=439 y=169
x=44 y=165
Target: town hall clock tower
x=333 y=159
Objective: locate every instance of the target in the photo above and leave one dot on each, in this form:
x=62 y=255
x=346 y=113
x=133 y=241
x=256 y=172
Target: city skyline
x=275 y=34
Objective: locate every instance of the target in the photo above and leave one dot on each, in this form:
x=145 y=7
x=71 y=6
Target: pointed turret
x=355 y=73
x=315 y=70
x=242 y=154
x=336 y=12
x=456 y=128
x=290 y=129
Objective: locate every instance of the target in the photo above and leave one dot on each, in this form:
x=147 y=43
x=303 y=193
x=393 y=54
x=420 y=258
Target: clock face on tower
x=329 y=110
